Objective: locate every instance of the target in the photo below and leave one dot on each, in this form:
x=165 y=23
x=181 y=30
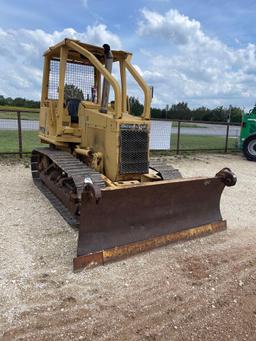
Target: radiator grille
x=133 y=151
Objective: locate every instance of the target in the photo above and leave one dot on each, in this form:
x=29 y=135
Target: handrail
x=143 y=85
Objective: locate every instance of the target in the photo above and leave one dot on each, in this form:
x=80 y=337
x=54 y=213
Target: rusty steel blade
x=139 y=213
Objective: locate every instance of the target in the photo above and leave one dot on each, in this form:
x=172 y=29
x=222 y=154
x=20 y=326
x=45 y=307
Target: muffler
x=105 y=92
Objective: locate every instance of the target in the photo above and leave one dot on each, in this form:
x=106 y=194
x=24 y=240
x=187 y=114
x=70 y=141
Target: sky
x=199 y=52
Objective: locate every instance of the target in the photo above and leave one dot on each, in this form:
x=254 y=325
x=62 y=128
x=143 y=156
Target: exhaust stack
x=105 y=91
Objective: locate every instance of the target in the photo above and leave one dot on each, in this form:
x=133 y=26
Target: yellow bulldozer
x=98 y=164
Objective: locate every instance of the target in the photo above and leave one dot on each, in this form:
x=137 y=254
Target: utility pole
x=166 y=110
x=229 y=114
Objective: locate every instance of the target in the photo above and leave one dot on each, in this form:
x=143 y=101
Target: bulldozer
x=97 y=163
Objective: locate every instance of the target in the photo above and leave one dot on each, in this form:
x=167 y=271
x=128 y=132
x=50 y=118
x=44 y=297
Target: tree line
x=19 y=102
x=180 y=111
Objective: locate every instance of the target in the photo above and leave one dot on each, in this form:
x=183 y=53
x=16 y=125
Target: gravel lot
x=203 y=289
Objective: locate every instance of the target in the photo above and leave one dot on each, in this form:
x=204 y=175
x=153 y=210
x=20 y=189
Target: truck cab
x=248 y=134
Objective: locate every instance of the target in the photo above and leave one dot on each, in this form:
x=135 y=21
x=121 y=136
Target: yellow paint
x=95 y=131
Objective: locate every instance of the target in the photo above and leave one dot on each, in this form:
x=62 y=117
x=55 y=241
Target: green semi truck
x=248 y=134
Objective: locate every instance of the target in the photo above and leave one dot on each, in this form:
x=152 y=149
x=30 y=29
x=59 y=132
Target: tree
x=136 y=107
x=72 y=91
x=200 y=113
x=157 y=113
x=236 y=114
x=19 y=102
x=180 y=111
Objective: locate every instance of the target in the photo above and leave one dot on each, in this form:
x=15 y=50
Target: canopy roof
x=97 y=51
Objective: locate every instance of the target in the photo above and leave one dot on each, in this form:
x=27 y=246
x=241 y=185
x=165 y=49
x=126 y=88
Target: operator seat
x=72 y=106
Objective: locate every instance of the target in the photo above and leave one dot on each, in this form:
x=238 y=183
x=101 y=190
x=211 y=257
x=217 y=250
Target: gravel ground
x=202 y=289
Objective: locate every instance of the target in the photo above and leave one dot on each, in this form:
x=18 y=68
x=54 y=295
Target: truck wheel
x=249 y=148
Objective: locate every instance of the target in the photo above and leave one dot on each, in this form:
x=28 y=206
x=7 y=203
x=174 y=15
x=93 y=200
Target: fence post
x=19 y=134
x=178 y=139
x=227 y=135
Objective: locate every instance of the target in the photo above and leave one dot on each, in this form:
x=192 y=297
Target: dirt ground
x=203 y=289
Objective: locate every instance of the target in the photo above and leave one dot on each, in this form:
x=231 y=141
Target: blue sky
x=201 y=52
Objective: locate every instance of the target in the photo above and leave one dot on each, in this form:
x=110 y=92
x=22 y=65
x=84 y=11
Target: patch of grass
x=33 y=115
x=202 y=142
x=9 y=107
x=198 y=142
x=24 y=116
x=9 y=141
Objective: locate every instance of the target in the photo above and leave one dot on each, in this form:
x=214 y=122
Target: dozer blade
x=132 y=219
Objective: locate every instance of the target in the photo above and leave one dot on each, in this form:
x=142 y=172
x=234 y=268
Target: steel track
x=78 y=171
x=73 y=168
x=164 y=170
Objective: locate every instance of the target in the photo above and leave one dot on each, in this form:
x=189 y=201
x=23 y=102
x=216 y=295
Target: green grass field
x=202 y=142
x=9 y=141
x=13 y=115
x=9 y=107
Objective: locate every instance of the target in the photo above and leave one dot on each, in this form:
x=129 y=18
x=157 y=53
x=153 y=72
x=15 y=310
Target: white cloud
x=193 y=66
x=175 y=55
x=21 y=55
x=172 y=26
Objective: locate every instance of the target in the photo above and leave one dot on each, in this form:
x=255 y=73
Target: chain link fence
x=19 y=134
